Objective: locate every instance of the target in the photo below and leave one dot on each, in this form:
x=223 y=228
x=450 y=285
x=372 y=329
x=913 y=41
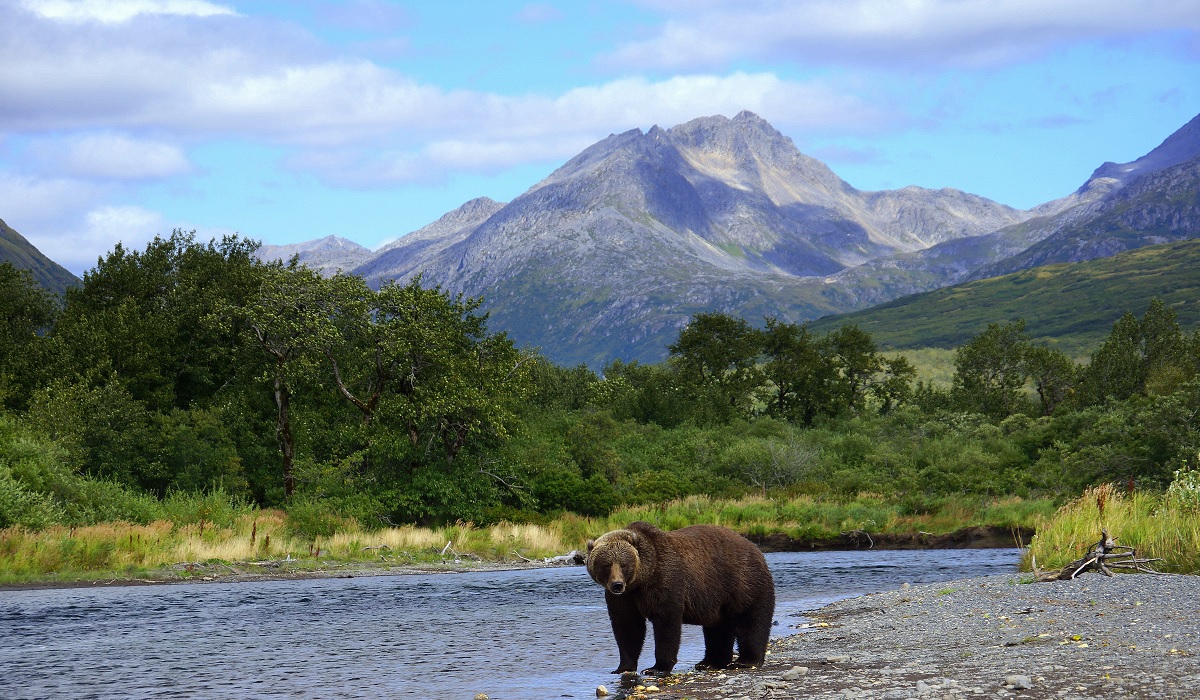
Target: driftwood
x=1104 y=556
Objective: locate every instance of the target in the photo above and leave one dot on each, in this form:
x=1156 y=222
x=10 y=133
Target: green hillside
x=22 y=254
x=1072 y=304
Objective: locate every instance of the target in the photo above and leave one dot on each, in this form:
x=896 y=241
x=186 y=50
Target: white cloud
x=889 y=32
x=116 y=11
x=488 y=133
x=112 y=156
x=70 y=221
x=199 y=78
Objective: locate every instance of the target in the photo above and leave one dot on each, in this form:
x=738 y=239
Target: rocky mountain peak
x=1179 y=147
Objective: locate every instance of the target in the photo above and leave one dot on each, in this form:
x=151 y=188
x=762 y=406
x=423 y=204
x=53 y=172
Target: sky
x=293 y=120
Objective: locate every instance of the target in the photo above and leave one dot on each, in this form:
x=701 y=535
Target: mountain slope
x=328 y=254
x=22 y=254
x=611 y=254
x=1155 y=207
x=1075 y=304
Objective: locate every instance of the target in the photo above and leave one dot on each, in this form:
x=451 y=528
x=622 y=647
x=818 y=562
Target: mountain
x=22 y=254
x=1179 y=147
x=329 y=254
x=1073 y=304
x=612 y=253
x=1156 y=206
x=401 y=259
x=1121 y=207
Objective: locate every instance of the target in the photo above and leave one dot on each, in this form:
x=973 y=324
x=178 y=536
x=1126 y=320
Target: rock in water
x=601 y=691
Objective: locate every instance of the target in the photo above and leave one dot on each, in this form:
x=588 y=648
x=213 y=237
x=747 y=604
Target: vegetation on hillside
x=188 y=375
x=1070 y=306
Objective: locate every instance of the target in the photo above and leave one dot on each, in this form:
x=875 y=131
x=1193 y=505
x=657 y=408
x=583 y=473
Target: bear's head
x=613 y=560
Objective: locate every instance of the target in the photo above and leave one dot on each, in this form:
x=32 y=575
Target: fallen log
x=1105 y=556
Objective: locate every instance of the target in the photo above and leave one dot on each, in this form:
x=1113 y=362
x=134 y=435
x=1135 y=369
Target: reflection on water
x=519 y=635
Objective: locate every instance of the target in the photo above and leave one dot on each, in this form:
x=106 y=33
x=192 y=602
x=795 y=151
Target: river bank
x=332 y=567
x=1132 y=636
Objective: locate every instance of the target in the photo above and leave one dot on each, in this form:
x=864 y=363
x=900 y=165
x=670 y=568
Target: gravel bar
x=1129 y=636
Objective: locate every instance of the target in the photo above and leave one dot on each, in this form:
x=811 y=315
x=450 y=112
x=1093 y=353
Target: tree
x=803 y=374
x=989 y=370
x=150 y=315
x=1137 y=356
x=715 y=356
x=289 y=320
x=26 y=311
x=853 y=356
x=1052 y=373
x=894 y=384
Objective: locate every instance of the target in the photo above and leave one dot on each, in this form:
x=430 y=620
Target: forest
x=192 y=368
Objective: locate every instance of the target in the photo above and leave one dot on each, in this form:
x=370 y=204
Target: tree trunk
x=283 y=431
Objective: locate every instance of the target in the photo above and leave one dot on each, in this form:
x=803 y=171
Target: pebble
x=601 y=691
x=923 y=642
x=1019 y=682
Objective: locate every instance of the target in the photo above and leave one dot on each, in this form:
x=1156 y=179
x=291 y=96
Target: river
x=531 y=634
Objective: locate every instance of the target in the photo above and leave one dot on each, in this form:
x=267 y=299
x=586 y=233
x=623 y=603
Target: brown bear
x=699 y=575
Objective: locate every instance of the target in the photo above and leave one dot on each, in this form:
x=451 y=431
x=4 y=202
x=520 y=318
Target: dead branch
x=1105 y=556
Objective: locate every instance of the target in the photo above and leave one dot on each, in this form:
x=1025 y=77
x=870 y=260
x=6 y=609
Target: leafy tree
x=802 y=373
x=288 y=319
x=894 y=385
x=643 y=393
x=853 y=355
x=1137 y=355
x=989 y=370
x=716 y=357
x=1052 y=373
x=26 y=310
x=150 y=316
x=450 y=381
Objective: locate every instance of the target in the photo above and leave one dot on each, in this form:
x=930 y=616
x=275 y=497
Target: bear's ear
x=591 y=544
x=634 y=538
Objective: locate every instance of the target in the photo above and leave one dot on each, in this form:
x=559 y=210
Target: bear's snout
x=617 y=587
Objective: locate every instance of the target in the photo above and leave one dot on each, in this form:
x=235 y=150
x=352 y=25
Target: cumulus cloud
x=499 y=133
x=713 y=33
x=109 y=155
x=68 y=220
x=116 y=11
x=347 y=119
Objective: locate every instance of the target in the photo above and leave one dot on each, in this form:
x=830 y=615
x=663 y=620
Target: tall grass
x=1156 y=525
x=208 y=538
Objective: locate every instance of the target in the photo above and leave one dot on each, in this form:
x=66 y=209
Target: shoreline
x=979 y=537
x=1129 y=636
x=225 y=573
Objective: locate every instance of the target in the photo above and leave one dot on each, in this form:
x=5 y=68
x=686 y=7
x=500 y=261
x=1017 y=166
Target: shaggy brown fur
x=699 y=575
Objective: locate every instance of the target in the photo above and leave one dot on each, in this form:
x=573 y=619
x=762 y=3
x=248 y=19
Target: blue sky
x=288 y=121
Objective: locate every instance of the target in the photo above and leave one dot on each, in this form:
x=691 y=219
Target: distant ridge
x=23 y=254
x=329 y=254
x=609 y=256
x=1072 y=304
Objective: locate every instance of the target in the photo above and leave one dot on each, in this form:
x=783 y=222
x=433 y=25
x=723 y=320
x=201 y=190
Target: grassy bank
x=1165 y=526
x=243 y=541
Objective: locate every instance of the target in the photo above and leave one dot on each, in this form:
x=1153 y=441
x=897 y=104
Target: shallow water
x=516 y=635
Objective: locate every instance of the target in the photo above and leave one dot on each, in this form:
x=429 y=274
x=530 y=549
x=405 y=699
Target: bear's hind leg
x=753 y=631
x=718 y=647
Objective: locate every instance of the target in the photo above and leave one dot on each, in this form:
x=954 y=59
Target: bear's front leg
x=629 y=628
x=668 y=629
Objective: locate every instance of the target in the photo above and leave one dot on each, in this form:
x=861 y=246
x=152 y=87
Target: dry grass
x=1151 y=523
x=123 y=549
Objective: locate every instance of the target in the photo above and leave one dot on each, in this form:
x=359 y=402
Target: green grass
x=1158 y=526
x=1070 y=305
x=239 y=538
